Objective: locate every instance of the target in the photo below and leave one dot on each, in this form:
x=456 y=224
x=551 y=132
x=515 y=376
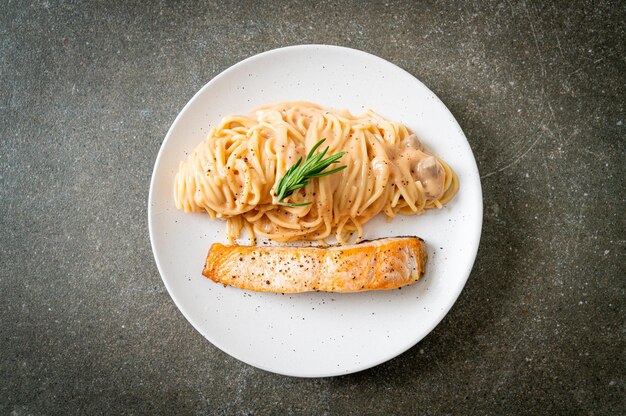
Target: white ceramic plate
x=317 y=334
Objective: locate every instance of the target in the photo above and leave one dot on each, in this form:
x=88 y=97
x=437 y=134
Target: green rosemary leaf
x=299 y=174
x=330 y=172
x=289 y=204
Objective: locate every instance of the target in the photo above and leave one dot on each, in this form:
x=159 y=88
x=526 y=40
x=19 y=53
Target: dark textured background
x=88 y=92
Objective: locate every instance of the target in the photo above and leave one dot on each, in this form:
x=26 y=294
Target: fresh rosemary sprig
x=298 y=176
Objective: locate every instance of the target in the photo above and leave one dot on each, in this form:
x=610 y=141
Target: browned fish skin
x=388 y=263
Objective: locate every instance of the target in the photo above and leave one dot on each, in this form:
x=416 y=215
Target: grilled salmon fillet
x=382 y=264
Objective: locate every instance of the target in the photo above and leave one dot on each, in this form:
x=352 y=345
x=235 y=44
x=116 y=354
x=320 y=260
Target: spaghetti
x=232 y=174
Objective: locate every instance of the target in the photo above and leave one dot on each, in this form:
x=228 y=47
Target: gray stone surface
x=88 y=92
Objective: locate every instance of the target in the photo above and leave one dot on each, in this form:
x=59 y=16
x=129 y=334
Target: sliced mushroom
x=431 y=174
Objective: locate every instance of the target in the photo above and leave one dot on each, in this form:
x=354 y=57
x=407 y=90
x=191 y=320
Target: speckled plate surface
x=317 y=334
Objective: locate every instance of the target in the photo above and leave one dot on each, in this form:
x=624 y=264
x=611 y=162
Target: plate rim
x=357 y=368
